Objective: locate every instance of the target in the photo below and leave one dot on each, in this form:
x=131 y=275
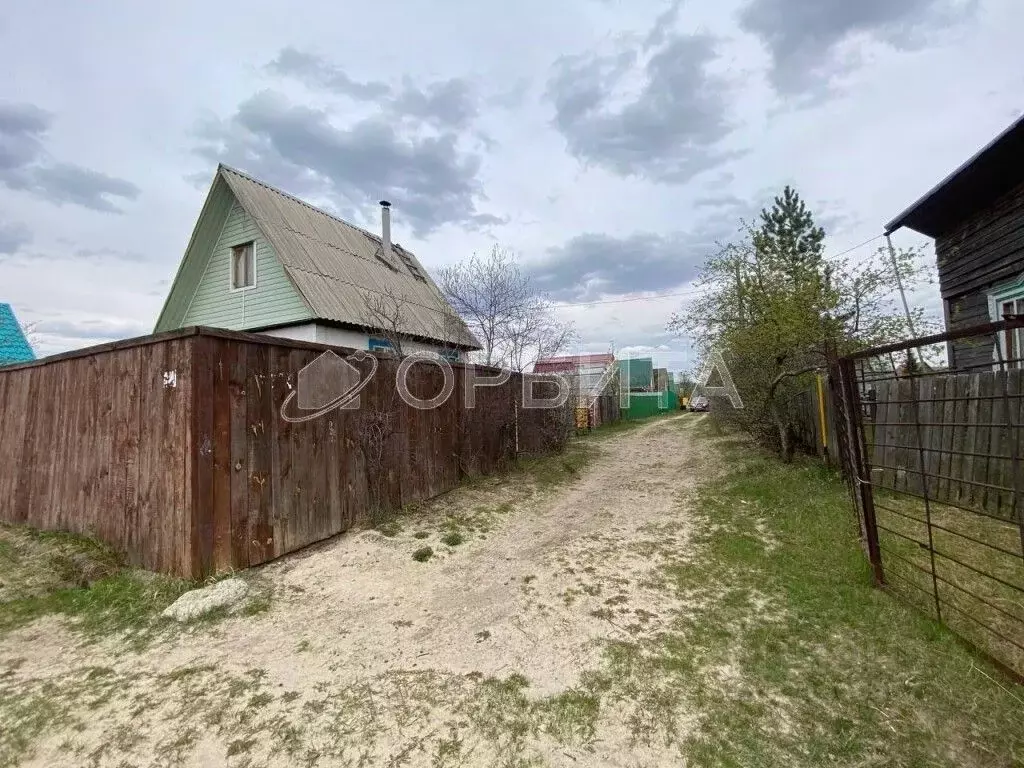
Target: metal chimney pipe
x=385 y=227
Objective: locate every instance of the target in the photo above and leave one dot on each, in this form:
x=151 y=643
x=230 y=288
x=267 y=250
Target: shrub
x=453 y=538
x=422 y=554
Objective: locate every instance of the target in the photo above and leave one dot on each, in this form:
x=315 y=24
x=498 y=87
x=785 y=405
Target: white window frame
x=997 y=297
x=231 y=267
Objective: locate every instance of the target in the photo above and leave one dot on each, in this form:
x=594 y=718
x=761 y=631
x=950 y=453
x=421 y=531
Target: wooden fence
x=960 y=431
x=172 y=447
x=966 y=424
x=812 y=416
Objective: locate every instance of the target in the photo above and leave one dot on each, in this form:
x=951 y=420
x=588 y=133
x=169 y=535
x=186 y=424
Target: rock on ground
x=230 y=594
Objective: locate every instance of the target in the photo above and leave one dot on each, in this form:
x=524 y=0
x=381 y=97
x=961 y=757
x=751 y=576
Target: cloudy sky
x=610 y=143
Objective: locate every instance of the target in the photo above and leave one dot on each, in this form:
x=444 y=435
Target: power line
x=622 y=301
x=859 y=245
x=690 y=292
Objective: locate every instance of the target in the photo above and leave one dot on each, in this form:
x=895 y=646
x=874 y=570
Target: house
x=264 y=261
x=976 y=217
x=595 y=377
x=14 y=347
x=638 y=372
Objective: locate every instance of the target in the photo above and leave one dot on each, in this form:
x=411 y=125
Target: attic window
x=243 y=267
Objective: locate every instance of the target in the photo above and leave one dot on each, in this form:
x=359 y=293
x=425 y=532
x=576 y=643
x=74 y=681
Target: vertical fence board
x=259 y=531
x=223 y=359
x=239 y=456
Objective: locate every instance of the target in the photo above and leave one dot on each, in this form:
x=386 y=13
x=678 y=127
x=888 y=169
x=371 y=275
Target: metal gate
x=933 y=446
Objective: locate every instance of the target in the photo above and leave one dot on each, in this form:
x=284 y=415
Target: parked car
x=699 y=404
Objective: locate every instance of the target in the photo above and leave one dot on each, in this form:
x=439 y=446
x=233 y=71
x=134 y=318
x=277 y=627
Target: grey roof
x=992 y=172
x=336 y=265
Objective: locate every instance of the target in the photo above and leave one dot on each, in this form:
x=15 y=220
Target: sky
x=610 y=144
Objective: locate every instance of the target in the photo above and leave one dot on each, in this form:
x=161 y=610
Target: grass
x=422 y=554
x=82 y=581
x=789 y=657
x=975 y=589
x=35 y=563
x=89 y=585
x=453 y=538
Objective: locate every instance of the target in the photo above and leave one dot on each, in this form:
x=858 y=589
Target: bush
x=422 y=554
x=453 y=538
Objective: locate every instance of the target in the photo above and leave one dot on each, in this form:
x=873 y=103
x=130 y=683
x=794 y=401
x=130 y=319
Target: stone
x=229 y=594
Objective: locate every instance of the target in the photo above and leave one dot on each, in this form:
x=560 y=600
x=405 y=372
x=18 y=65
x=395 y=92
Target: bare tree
x=502 y=308
x=386 y=313
x=535 y=334
x=31 y=333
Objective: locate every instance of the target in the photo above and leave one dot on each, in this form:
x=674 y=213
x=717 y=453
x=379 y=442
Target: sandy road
x=368 y=657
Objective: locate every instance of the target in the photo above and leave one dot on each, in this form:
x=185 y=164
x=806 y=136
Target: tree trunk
x=785 y=443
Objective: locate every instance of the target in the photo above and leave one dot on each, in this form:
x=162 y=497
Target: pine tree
x=789 y=240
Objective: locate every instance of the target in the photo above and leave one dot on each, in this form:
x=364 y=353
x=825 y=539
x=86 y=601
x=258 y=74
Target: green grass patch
x=82 y=580
x=422 y=554
x=786 y=653
x=453 y=538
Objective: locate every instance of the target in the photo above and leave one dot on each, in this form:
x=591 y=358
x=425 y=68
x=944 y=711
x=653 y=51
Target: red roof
x=571 y=362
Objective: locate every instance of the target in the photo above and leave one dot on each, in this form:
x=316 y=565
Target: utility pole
x=899 y=285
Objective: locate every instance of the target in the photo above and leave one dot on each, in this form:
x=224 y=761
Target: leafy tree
x=778 y=310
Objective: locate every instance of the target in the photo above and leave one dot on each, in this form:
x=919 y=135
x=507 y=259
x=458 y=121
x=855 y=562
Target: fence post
x=854 y=416
x=822 y=423
x=914 y=388
x=1006 y=370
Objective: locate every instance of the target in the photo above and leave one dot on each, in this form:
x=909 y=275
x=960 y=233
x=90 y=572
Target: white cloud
x=567 y=183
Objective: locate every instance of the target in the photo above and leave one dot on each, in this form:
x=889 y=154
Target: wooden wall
x=206 y=475
x=983 y=250
x=98 y=444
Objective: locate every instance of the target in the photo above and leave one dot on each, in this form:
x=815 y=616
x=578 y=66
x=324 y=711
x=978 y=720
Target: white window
x=243 y=267
x=1008 y=299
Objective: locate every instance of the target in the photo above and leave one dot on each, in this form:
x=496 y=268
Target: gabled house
x=976 y=217
x=264 y=261
x=14 y=347
x=591 y=372
x=595 y=378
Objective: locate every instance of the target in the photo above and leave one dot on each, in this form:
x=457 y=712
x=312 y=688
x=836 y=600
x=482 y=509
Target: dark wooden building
x=976 y=216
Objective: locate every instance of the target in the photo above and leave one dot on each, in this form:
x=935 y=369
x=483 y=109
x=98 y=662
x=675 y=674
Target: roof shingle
x=14 y=347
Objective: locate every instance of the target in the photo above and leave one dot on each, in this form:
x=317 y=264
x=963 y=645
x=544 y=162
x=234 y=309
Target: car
x=699 y=404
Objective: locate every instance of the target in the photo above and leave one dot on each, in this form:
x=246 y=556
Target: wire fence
x=931 y=437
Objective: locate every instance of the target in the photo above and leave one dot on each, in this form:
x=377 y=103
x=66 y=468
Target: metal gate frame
x=848 y=380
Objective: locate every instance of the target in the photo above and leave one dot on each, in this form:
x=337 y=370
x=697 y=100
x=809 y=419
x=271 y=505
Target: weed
x=421 y=535
x=240 y=746
x=452 y=538
x=127 y=602
x=422 y=554
x=390 y=527
x=260 y=700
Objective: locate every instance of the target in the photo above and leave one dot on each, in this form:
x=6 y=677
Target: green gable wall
x=272 y=301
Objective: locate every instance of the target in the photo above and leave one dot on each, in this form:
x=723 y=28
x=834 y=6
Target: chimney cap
x=385 y=204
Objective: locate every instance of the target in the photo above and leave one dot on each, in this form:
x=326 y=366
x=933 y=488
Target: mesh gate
x=932 y=444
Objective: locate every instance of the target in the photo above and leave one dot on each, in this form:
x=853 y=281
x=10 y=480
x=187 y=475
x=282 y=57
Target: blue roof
x=14 y=347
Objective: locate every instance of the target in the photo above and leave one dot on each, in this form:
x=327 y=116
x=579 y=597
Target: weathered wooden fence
x=812 y=416
x=961 y=426
x=172 y=447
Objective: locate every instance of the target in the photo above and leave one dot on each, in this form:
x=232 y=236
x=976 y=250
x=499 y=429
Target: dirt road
x=490 y=653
